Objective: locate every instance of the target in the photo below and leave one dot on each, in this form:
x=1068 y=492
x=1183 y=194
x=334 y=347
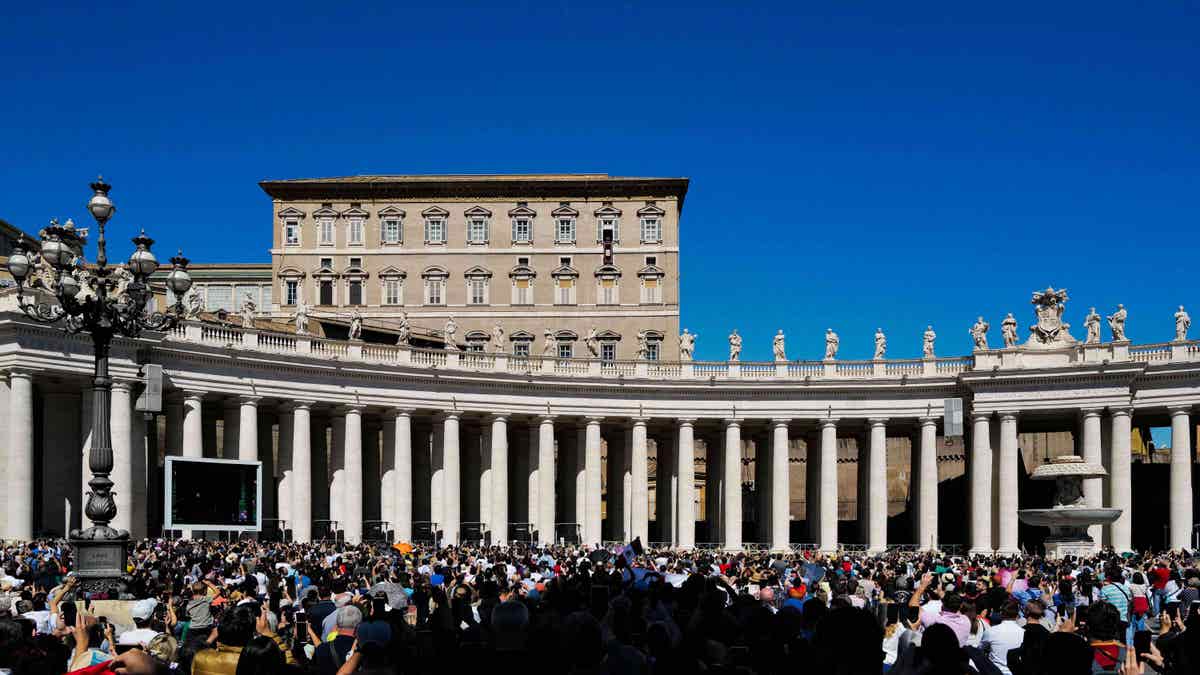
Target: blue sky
x=853 y=165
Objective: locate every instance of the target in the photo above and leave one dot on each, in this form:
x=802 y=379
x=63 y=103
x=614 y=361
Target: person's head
x=348 y=618
x=953 y=602
x=1035 y=609
x=1065 y=653
x=585 y=636
x=939 y=644
x=510 y=621
x=163 y=648
x=261 y=656
x=840 y=641
x=236 y=628
x=1104 y=621
x=1011 y=611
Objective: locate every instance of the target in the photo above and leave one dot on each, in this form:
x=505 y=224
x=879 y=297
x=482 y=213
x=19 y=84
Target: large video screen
x=212 y=494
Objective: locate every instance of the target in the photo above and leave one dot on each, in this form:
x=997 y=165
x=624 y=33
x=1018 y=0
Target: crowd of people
x=258 y=608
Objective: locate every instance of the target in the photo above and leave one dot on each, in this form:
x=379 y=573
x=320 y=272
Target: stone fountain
x=1070 y=517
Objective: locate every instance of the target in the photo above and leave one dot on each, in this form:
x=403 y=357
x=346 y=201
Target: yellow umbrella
x=403 y=547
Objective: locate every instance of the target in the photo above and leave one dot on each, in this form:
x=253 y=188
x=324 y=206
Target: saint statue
x=831 y=344
x=687 y=345
x=498 y=338
x=735 y=346
x=1008 y=330
x=356 y=326
x=1116 y=323
x=301 y=318
x=979 y=333
x=927 y=342
x=778 y=348
x=404 y=330
x=643 y=350
x=592 y=342
x=249 y=308
x=549 y=344
x=1182 y=323
x=194 y=305
x=448 y=332
x=880 y=344
x=1092 y=324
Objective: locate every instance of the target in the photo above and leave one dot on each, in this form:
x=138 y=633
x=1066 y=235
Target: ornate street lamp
x=104 y=302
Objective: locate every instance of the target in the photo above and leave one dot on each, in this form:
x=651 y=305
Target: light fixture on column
x=102 y=301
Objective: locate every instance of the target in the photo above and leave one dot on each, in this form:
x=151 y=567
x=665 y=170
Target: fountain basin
x=1068 y=517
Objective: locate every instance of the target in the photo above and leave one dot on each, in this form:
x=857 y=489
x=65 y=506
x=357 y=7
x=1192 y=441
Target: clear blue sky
x=853 y=165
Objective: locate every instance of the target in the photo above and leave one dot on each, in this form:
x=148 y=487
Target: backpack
x=1141 y=604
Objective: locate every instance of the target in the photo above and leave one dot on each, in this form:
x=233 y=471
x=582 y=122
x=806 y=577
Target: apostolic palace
x=500 y=357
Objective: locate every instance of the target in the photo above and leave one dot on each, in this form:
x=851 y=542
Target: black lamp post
x=104 y=302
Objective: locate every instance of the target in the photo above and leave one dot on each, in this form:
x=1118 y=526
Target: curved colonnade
x=489 y=445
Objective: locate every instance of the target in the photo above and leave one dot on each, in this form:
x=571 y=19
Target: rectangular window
x=477 y=230
x=326 y=292
x=652 y=260
x=608 y=225
x=651 y=230
x=652 y=351
x=356 y=293
x=219 y=297
x=475 y=346
x=325 y=226
x=522 y=261
x=651 y=291
x=522 y=231
x=326 y=263
x=521 y=348
x=291 y=233
x=565 y=350
x=477 y=291
x=608 y=292
x=391 y=292
x=564 y=261
x=566 y=292
x=267 y=292
x=391 y=231
x=608 y=351
x=291 y=292
x=565 y=231
x=434 y=291
x=356 y=232
x=356 y=262
x=435 y=231
x=240 y=293
x=522 y=292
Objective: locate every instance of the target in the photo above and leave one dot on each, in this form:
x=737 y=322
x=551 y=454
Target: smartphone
x=300 y=623
x=1172 y=610
x=69 y=613
x=1141 y=642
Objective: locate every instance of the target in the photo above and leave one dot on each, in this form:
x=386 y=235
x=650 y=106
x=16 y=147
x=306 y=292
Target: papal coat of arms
x=1050 y=330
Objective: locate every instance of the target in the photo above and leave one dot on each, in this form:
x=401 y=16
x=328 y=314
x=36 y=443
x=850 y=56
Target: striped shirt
x=1118 y=596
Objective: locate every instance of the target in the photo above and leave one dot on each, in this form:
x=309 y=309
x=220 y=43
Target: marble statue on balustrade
x=880 y=344
x=249 y=308
x=1008 y=331
x=592 y=342
x=1092 y=324
x=979 y=333
x=549 y=344
x=356 y=326
x=643 y=350
x=1116 y=323
x=194 y=304
x=404 y=330
x=735 y=346
x=777 y=346
x=498 y=338
x=301 y=318
x=687 y=345
x=1182 y=323
x=927 y=342
x=1050 y=331
x=832 y=342
x=448 y=333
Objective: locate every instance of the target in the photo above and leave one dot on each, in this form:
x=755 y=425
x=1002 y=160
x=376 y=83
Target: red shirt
x=1159 y=577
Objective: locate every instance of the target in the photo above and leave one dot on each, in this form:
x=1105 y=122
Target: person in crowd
x=1002 y=638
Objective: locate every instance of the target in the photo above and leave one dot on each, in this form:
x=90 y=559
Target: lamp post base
x=100 y=554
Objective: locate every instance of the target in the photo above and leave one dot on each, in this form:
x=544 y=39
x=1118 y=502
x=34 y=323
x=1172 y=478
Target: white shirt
x=137 y=636
x=999 y=640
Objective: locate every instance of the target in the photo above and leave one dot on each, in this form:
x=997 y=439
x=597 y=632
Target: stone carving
x=194 y=305
x=643 y=349
x=1116 y=323
x=1092 y=324
x=301 y=318
x=979 y=333
x=927 y=342
x=592 y=342
x=549 y=344
x=249 y=308
x=778 y=348
x=1008 y=330
x=356 y=326
x=448 y=333
x=735 y=346
x=1182 y=323
x=1050 y=331
x=880 y=344
x=687 y=345
x=831 y=344
x=498 y=338
x=404 y=330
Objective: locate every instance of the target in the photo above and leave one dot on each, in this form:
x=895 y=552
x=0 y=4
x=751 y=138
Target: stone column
x=1120 y=479
x=287 y=433
x=403 y=484
x=452 y=479
x=1181 y=478
x=302 y=480
x=781 y=486
x=499 y=515
x=733 y=485
x=352 y=490
x=1009 y=468
x=387 y=474
x=533 y=513
x=686 y=486
x=829 y=486
x=248 y=429
x=173 y=405
x=121 y=426
x=545 y=480
x=981 y=483
x=877 y=486
x=231 y=443
x=1090 y=447
x=20 y=456
x=639 y=482
x=591 y=515
x=927 y=532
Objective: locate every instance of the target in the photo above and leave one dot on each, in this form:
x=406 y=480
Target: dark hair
x=236 y=627
x=261 y=656
x=1104 y=621
x=952 y=602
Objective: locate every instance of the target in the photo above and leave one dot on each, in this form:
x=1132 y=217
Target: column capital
x=125 y=385
x=301 y=404
x=780 y=421
x=1120 y=410
x=1012 y=415
x=926 y=420
x=731 y=422
x=542 y=419
x=449 y=415
x=193 y=394
x=981 y=416
x=685 y=421
x=499 y=417
x=21 y=372
x=639 y=421
x=249 y=400
x=1091 y=412
x=1176 y=410
x=880 y=421
x=402 y=412
x=594 y=419
x=827 y=422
